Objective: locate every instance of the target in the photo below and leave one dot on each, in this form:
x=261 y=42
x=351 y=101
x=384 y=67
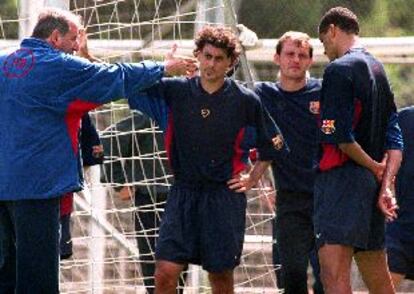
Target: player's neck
x=211 y=86
x=348 y=42
x=292 y=85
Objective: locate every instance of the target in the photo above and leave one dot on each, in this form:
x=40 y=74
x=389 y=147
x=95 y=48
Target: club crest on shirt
x=205 y=112
x=314 y=107
x=278 y=142
x=328 y=126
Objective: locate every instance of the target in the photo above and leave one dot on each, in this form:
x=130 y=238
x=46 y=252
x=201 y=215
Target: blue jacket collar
x=35 y=43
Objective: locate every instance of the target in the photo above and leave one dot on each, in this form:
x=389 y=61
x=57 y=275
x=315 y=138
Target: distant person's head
x=293 y=55
x=59 y=28
x=336 y=26
x=217 y=50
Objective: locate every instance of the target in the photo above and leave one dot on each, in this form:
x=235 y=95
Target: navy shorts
x=203 y=226
x=345 y=211
x=400 y=256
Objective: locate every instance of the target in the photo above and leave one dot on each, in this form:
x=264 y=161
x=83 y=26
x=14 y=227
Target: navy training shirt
x=403 y=226
x=206 y=133
x=296 y=113
x=88 y=139
x=356 y=105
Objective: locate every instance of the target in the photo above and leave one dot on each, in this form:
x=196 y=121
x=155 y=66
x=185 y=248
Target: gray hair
x=54 y=18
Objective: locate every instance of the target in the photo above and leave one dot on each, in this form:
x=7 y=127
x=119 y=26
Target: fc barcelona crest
x=328 y=126
x=278 y=142
x=314 y=107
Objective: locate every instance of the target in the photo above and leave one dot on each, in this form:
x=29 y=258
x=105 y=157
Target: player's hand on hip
x=179 y=65
x=241 y=183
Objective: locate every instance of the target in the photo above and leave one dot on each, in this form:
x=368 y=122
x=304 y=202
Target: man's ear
x=196 y=54
x=333 y=30
x=54 y=38
x=276 y=59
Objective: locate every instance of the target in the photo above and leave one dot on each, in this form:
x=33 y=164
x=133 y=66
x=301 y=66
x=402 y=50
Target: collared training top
x=357 y=105
x=205 y=132
x=296 y=113
x=403 y=226
x=43 y=94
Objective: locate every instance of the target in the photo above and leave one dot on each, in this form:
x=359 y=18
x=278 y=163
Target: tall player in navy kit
x=207 y=120
x=399 y=237
x=293 y=102
x=353 y=191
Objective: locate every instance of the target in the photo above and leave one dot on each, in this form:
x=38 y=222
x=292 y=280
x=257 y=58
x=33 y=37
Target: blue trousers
x=29 y=246
x=294 y=245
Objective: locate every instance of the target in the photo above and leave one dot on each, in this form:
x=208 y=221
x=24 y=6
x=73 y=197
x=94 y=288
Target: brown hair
x=220 y=37
x=300 y=39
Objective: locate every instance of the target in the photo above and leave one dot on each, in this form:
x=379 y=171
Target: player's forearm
x=394 y=158
x=258 y=170
x=357 y=154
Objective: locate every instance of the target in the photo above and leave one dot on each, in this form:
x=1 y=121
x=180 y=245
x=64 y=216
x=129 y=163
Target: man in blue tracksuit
x=44 y=92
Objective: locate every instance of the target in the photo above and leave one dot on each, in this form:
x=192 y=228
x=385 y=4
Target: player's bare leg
x=166 y=276
x=374 y=270
x=222 y=283
x=335 y=262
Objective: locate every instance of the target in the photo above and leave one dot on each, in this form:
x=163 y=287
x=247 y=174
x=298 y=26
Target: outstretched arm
x=174 y=65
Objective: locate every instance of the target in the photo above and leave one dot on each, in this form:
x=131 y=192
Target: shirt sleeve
x=394 y=138
x=152 y=102
x=89 y=138
x=89 y=134
x=269 y=140
x=337 y=106
x=102 y=82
